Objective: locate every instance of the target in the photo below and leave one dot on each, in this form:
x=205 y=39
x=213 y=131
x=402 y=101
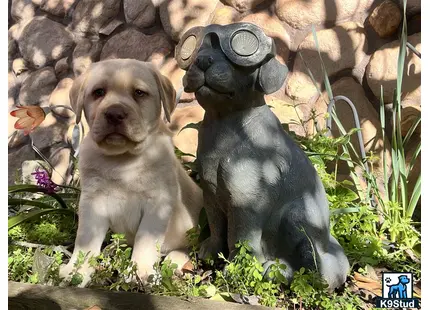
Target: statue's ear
x=271 y=76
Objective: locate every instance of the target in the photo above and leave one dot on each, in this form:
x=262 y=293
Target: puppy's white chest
x=125 y=211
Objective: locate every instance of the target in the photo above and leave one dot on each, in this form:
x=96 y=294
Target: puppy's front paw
x=210 y=248
x=68 y=271
x=179 y=258
x=144 y=273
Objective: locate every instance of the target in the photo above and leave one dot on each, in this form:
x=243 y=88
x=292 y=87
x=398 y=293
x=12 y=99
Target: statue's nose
x=204 y=62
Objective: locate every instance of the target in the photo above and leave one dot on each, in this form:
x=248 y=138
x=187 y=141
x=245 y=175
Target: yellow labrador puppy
x=131 y=180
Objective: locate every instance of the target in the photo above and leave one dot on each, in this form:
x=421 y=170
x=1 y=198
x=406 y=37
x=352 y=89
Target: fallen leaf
x=361 y=278
x=368 y=284
x=188 y=267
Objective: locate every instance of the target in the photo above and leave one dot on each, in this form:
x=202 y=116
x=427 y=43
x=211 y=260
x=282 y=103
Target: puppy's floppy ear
x=271 y=76
x=76 y=95
x=167 y=93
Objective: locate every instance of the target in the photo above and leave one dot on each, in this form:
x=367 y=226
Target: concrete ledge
x=30 y=296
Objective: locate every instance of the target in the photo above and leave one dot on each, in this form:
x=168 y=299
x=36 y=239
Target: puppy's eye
x=99 y=92
x=140 y=93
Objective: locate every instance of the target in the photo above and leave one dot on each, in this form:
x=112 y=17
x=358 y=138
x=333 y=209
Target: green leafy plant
x=243 y=275
x=114 y=268
x=19 y=265
x=308 y=289
x=34 y=266
x=396 y=212
x=25 y=209
x=399 y=209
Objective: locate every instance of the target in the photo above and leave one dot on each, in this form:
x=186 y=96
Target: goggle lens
x=244 y=43
x=188 y=47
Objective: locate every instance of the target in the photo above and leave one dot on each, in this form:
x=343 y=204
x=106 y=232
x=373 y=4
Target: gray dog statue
x=258 y=184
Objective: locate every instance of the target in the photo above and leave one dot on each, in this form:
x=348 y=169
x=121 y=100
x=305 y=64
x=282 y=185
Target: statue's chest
x=216 y=143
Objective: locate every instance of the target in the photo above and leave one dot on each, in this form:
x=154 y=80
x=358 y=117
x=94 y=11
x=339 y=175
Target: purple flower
x=44 y=181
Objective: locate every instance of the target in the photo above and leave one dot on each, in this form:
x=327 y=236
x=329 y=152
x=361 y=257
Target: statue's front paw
x=210 y=248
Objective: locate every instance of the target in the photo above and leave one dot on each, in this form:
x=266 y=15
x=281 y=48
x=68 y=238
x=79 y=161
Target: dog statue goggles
x=244 y=44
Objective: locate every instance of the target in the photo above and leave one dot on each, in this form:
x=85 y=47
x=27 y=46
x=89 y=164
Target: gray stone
x=273 y=28
x=414 y=24
x=50 y=134
x=178 y=16
x=412 y=6
x=342 y=47
x=16 y=138
x=110 y=27
x=140 y=13
x=411 y=111
x=19 y=66
x=60 y=97
x=22 y=10
x=90 y=16
x=37 y=88
x=132 y=43
x=12 y=50
x=224 y=15
x=16 y=30
x=13 y=90
x=15 y=160
x=301 y=14
x=382 y=69
x=62 y=68
x=386 y=18
x=243 y=5
x=55 y=7
x=44 y=41
x=86 y=52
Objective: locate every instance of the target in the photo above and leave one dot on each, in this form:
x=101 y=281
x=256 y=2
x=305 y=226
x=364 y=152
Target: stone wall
x=51 y=42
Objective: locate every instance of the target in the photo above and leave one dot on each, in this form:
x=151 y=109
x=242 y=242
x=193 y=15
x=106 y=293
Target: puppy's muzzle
x=115 y=115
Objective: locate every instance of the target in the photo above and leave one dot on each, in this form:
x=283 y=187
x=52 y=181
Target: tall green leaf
x=23 y=217
x=28 y=202
x=36 y=189
x=416 y=194
x=384 y=146
x=411 y=131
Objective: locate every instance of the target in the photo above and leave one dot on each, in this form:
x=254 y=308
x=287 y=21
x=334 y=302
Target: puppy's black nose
x=204 y=62
x=115 y=115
